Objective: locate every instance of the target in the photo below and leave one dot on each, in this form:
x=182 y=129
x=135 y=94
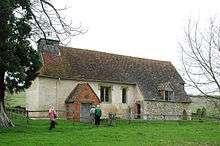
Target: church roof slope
x=87 y=65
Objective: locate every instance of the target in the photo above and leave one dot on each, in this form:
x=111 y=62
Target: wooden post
x=27 y=116
x=73 y=117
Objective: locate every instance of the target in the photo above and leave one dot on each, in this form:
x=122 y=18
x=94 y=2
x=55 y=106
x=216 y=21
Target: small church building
x=75 y=79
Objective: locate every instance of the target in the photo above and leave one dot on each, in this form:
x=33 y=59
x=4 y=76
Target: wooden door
x=84 y=112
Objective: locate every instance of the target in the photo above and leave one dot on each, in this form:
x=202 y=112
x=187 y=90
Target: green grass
x=15 y=99
x=122 y=134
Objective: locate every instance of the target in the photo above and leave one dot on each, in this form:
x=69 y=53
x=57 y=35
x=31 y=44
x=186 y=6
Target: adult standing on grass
x=52 y=115
x=98 y=114
x=92 y=114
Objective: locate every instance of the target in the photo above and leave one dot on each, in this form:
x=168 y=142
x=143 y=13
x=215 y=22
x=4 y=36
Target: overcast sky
x=142 y=28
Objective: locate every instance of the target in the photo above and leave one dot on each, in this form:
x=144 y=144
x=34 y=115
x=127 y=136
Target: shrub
x=184 y=115
x=203 y=112
x=111 y=116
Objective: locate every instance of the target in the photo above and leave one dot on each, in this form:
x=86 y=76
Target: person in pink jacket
x=52 y=115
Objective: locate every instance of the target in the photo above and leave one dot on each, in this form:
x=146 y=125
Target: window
x=165 y=92
x=165 y=95
x=161 y=94
x=168 y=95
x=124 y=95
x=104 y=93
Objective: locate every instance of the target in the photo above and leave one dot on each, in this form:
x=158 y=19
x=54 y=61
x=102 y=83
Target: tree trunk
x=4 y=120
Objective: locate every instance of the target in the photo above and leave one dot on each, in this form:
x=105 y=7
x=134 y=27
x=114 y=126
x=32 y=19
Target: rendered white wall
x=32 y=96
x=47 y=91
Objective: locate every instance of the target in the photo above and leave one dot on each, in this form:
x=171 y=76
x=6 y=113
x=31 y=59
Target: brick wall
x=85 y=95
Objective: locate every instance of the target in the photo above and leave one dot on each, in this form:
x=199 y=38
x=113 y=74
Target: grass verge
x=68 y=133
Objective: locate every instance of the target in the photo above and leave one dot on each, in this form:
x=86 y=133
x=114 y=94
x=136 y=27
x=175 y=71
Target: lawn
x=122 y=134
x=15 y=99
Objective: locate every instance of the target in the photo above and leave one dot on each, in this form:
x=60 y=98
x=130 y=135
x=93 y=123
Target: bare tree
x=49 y=21
x=201 y=56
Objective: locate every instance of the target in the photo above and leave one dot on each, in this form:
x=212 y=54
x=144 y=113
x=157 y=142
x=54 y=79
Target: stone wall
x=211 y=105
x=164 y=110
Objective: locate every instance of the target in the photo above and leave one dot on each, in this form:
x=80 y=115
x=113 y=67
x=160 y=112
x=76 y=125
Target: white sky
x=142 y=28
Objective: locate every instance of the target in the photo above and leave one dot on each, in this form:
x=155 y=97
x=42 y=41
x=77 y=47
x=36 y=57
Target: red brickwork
x=82 y=93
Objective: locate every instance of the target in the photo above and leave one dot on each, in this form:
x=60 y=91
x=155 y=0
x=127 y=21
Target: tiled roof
x=75 y=92
x=87 y=65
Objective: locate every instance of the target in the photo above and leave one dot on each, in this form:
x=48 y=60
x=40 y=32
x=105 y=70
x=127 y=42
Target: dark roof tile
x=80 y=64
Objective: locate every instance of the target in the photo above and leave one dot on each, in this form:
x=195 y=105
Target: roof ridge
x=96 y=66
x=161 y=61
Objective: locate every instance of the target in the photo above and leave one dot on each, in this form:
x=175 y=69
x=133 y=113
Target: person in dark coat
x=98 y=114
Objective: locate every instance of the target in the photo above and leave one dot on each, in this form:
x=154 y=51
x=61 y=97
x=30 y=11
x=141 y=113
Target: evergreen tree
x=19 y=62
